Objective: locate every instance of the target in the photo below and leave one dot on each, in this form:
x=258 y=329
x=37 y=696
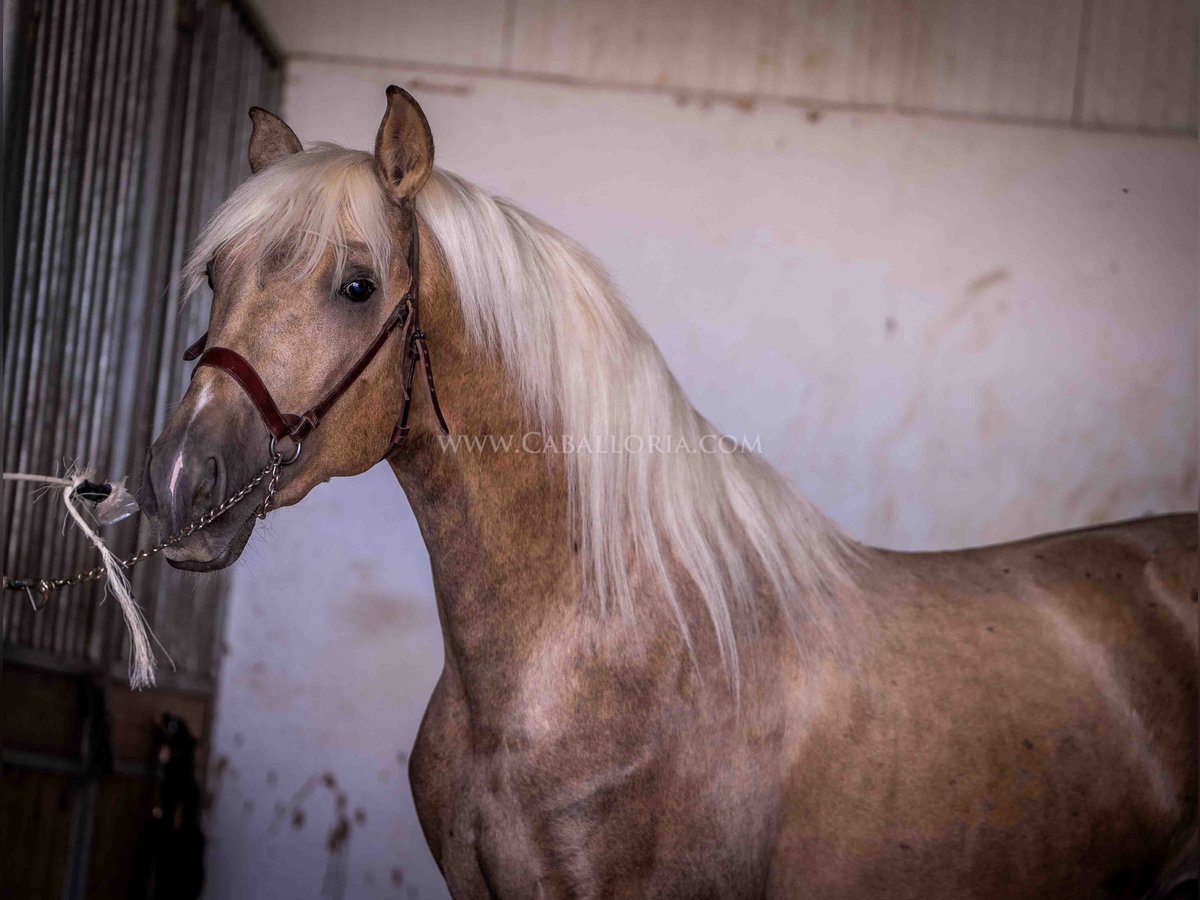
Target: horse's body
x=667 y=675
x=1015 y=721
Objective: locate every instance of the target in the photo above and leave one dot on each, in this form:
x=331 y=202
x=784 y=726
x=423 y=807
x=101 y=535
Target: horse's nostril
x=208 y=482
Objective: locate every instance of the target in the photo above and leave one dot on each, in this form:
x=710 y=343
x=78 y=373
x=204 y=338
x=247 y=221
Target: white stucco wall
x=947 y=332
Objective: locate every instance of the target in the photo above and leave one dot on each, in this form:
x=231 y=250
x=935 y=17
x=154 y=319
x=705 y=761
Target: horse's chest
x=490 y=842
x=581 y=807
x=511 y=814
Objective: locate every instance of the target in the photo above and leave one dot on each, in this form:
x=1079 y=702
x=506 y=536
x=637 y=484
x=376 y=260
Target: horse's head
x=306 y=262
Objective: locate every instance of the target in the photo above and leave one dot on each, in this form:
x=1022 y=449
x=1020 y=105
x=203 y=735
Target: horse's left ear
x=404 y=146
x=270 y=140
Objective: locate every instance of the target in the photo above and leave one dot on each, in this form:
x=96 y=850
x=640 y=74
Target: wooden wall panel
x=1140 y=65
x=452 y=32
x=1103 y=63
x=1011 y=58
x=706 y=44
x=135 y=714
x=43 y=712
x=992 y=58
x=842 y=52
x=38 y=811
x=124 y=803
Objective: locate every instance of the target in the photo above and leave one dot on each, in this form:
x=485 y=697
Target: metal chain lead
x=46 y=586
x=272 y=485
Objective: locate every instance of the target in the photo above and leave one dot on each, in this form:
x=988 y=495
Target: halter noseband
x=406 y=316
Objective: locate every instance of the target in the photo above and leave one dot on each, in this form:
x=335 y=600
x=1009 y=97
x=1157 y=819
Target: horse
x=666 y=673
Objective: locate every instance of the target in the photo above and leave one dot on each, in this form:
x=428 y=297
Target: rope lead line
x=39 y=590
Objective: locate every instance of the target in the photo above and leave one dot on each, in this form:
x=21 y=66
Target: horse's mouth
x=209 y=551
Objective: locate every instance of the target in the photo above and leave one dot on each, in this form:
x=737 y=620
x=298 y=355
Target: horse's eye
x=358 y=290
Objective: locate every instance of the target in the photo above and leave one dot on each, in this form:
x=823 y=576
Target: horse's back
x=1019 y=720
x=1129 y=588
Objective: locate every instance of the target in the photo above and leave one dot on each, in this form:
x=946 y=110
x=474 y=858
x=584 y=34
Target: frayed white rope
x=141 y=658
x=44 y=479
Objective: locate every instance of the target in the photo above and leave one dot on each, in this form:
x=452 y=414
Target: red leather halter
x=406 y=316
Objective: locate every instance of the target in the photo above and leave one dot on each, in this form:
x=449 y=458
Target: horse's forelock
x=297 y=209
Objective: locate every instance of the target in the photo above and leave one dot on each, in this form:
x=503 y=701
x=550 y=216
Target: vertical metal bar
x=145 y=289
x=18 y=34
x=123 y=229
x=25 y=331
x=61 y=401
x=17 y=339
x=127 y=194
x=18 y=135
x=48 y=316
x=21 y=132
x=109 y=265
x=100 y=79
x=49 y=284
x=65 y=402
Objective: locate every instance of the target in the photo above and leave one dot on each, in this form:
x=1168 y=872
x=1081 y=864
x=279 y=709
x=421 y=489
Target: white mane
x=585 y=368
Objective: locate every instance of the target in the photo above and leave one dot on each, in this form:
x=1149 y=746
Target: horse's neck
x=517 y=629
x=496 y=527
x=494 y=522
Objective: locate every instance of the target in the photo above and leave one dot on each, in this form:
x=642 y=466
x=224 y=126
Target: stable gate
x=125 y=124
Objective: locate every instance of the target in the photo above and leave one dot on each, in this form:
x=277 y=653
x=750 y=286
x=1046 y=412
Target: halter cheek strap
x=405 y=316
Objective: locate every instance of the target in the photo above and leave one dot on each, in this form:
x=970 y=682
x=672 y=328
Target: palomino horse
x=665 y=673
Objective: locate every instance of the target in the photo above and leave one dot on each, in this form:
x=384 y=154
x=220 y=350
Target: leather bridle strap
x=416 y=350
x=405 y=315
x=280 y=424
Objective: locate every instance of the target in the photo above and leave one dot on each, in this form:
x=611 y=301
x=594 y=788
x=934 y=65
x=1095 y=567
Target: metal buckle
x=276 y=454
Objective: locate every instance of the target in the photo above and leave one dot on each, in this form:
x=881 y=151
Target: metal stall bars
x=125 y=125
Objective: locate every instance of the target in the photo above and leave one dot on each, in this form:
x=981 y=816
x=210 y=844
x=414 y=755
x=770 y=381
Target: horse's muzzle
x=202 y=455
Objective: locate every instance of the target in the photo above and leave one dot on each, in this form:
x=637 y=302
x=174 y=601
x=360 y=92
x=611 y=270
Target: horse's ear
x=404 y=146
x=270 y=140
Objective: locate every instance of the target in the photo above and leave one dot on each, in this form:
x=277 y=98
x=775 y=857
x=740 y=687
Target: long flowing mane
x=722 y=526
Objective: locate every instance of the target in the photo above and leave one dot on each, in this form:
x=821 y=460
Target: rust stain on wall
x=985 y=281
x=374 y=611
x=982 y=308
x=993 y=418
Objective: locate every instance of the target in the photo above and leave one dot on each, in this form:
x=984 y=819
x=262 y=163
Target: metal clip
x=43 y=592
